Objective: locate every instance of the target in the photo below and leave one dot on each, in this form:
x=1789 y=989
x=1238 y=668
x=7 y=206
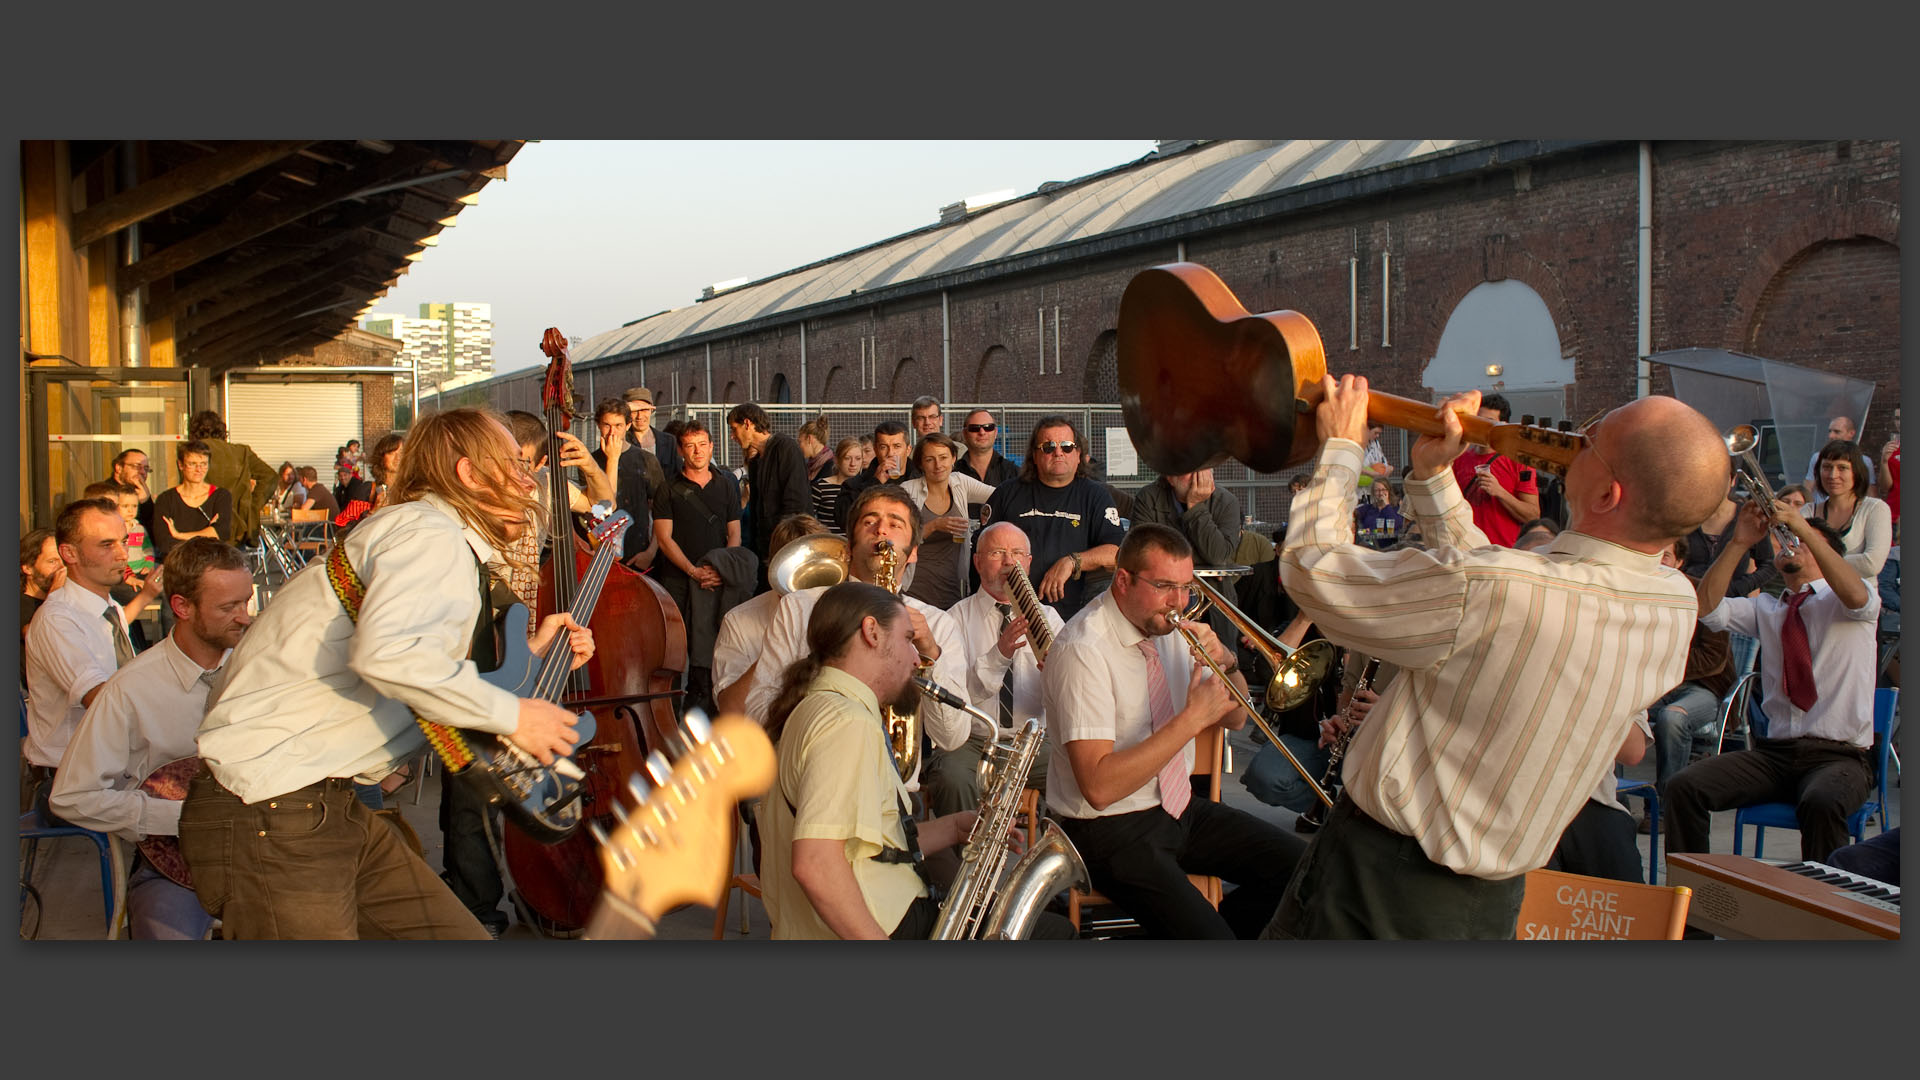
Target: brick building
x=1787 y=250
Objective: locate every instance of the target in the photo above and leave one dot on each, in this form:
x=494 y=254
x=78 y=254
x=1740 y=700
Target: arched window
x=782 y=393
x=1502 y=337
x=906 y=381
x=1103 y=369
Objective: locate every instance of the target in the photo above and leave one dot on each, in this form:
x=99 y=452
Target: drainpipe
x=133 y=310
x=946 y=349
x=1644 y=380
x=710 y=396
x=803 y=362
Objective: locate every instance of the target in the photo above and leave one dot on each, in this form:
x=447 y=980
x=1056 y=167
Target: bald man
x=1521 y=671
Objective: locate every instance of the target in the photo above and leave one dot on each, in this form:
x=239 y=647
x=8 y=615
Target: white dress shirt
x=742 y=630
x=1520 y=671
x=979 y=621
x=787 y=642
x=1096 y=688
x=69 y=652
x=1608 y=793
x=308 y=695
x=146 y=716
x=1846 y=661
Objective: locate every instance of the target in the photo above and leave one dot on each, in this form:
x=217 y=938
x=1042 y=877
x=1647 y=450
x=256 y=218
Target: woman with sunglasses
x=1866 y=523
x=982 y=461
x=946 y=500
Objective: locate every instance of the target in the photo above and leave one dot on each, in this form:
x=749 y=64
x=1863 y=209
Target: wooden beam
x=240 y=302
x=170 y=189
x=249 y=224
x=267 y=337
x=219 y=281
x=341 y=284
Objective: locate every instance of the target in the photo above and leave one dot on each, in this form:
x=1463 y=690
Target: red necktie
x=1796 y=655
x=1175 y=788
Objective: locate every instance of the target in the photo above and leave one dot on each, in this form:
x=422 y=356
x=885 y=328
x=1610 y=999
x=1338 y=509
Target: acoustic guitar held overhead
x=1203 y=380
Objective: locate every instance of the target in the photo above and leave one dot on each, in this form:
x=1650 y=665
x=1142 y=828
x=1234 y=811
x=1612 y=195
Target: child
x=139 y=550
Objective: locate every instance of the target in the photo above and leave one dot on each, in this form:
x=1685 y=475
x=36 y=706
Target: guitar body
x=169 y=782
x=1203 y=380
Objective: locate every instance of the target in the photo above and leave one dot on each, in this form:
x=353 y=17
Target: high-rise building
x=448 y=344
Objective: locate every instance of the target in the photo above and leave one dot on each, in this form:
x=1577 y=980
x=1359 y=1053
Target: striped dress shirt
x=1521 y=671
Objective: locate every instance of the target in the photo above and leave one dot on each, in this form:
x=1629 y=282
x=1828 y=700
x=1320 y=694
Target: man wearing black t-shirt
x=696 y=511
x=776 y=473
x=1070 y=518
x=982 y=461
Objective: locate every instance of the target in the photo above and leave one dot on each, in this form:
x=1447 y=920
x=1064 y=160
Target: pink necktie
x=1175 y=787
x=1796 y=655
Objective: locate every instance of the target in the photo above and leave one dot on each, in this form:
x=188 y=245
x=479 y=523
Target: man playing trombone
x=1520 y=671
x=1124 y=700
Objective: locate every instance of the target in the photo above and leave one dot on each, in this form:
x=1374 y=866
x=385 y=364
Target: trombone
x=1295 y=671
x=1741 y=441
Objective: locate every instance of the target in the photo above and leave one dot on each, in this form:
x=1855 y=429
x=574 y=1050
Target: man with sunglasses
x=1124 y=699
x=982 y=461
x=1520 y=672
x=1069 y=516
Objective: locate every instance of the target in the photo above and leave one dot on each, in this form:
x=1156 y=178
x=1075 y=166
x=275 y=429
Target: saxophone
x=980 y=905
x=1316 y=815
x=903 y=728
x=1039 y=634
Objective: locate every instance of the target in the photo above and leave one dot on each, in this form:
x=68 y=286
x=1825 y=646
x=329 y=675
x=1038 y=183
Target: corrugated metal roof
x=1157 y=188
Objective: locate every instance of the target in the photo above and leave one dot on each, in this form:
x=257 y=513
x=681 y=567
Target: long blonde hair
x=435 y=446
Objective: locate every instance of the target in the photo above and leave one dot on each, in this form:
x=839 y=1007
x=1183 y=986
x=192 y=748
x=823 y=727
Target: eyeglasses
x=1185 y=590
x=1007 y=553
x=978 y=428
x=1058 y=448
x=1590 y=430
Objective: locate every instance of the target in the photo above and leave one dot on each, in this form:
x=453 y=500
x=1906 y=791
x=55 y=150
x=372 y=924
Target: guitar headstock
x=604 y=523
x=1537 y=447
x=556 y=391
x=673 y=848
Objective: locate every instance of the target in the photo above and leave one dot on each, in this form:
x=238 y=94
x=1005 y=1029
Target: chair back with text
x=1574 y=907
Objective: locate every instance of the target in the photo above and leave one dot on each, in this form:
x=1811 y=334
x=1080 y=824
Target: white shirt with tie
x=1844 y=643
x=979 y=620
x=146 y=716
x=69 y=652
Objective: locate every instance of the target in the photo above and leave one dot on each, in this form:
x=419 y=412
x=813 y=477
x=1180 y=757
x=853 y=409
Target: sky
x=586 y=236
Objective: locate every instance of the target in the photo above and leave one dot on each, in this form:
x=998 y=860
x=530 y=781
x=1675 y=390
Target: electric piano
x=1738 y=897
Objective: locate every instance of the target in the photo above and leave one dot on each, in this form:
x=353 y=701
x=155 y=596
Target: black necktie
x=1006 y=681
x=122 y=645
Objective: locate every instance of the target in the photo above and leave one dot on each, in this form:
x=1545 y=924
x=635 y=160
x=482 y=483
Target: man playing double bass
x=313 y=699
x=1520 y=671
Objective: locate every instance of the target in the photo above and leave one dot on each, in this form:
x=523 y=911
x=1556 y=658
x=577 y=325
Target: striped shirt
x=1521 y=671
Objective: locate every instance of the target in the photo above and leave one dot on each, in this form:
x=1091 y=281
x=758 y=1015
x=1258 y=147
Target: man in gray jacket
x=1208 y=517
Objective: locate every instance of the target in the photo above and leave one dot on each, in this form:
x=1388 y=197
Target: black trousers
x=1361 y=879
x=1141 y=860
x=1823 y=780
x=1600 y=841
x=468 y=858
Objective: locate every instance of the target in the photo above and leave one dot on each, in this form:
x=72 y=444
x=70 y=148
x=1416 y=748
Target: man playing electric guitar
x=143 y=719
x=315 y=698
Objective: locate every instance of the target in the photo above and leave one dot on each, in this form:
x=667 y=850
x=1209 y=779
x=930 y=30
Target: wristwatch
x=1077 y=568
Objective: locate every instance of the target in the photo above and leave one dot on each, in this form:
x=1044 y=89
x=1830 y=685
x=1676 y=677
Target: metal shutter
x=303 y=423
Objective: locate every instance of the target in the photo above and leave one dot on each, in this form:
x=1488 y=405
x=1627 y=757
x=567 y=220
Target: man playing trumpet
x=1520 y=671
x=1125 y=699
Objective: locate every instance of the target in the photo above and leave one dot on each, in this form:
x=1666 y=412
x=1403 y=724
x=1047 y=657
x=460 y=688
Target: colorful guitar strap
x=446 y=741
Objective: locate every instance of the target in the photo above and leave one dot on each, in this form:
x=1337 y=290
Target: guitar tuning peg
x=599 y=834
x=697 y=726
x=637 y=787
x=619 y=812
x=659 y=767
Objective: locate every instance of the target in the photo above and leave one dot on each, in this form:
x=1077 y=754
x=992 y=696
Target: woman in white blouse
x=946 y=521
x=1866 y=523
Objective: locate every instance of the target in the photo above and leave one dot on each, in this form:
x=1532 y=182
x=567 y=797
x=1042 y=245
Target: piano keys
x=1738 y=897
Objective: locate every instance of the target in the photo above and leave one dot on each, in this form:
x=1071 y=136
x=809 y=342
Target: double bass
x=640 y=652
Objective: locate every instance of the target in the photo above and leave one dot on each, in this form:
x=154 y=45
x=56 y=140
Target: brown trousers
x=314 y=863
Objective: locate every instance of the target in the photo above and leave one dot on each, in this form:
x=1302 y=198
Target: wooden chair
x=1208 y=755
x=1574 y=907
x=310 y=541
x=743 y=879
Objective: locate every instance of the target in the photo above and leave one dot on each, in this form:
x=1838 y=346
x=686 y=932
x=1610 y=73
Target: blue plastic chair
x=1644 y=789
x=35 y=828
x=1780 y=815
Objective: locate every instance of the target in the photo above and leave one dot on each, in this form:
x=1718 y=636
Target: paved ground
x=67 y=876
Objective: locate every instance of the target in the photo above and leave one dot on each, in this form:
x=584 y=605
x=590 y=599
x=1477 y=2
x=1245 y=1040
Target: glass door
x=83 y=417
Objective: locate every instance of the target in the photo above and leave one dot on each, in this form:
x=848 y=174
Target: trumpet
x=1741 y=441
x=1295 y=671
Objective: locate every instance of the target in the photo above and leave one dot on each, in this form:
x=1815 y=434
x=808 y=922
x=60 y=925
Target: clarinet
x=1316 y=815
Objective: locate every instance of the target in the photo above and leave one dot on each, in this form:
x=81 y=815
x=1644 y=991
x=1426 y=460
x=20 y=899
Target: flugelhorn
x=1741 y=441
x=1295 y=671
x=808 y=562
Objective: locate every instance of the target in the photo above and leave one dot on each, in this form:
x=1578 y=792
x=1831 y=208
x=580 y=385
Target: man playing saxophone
x=1003 y=670
x=843 y=857
x=1125 y=699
